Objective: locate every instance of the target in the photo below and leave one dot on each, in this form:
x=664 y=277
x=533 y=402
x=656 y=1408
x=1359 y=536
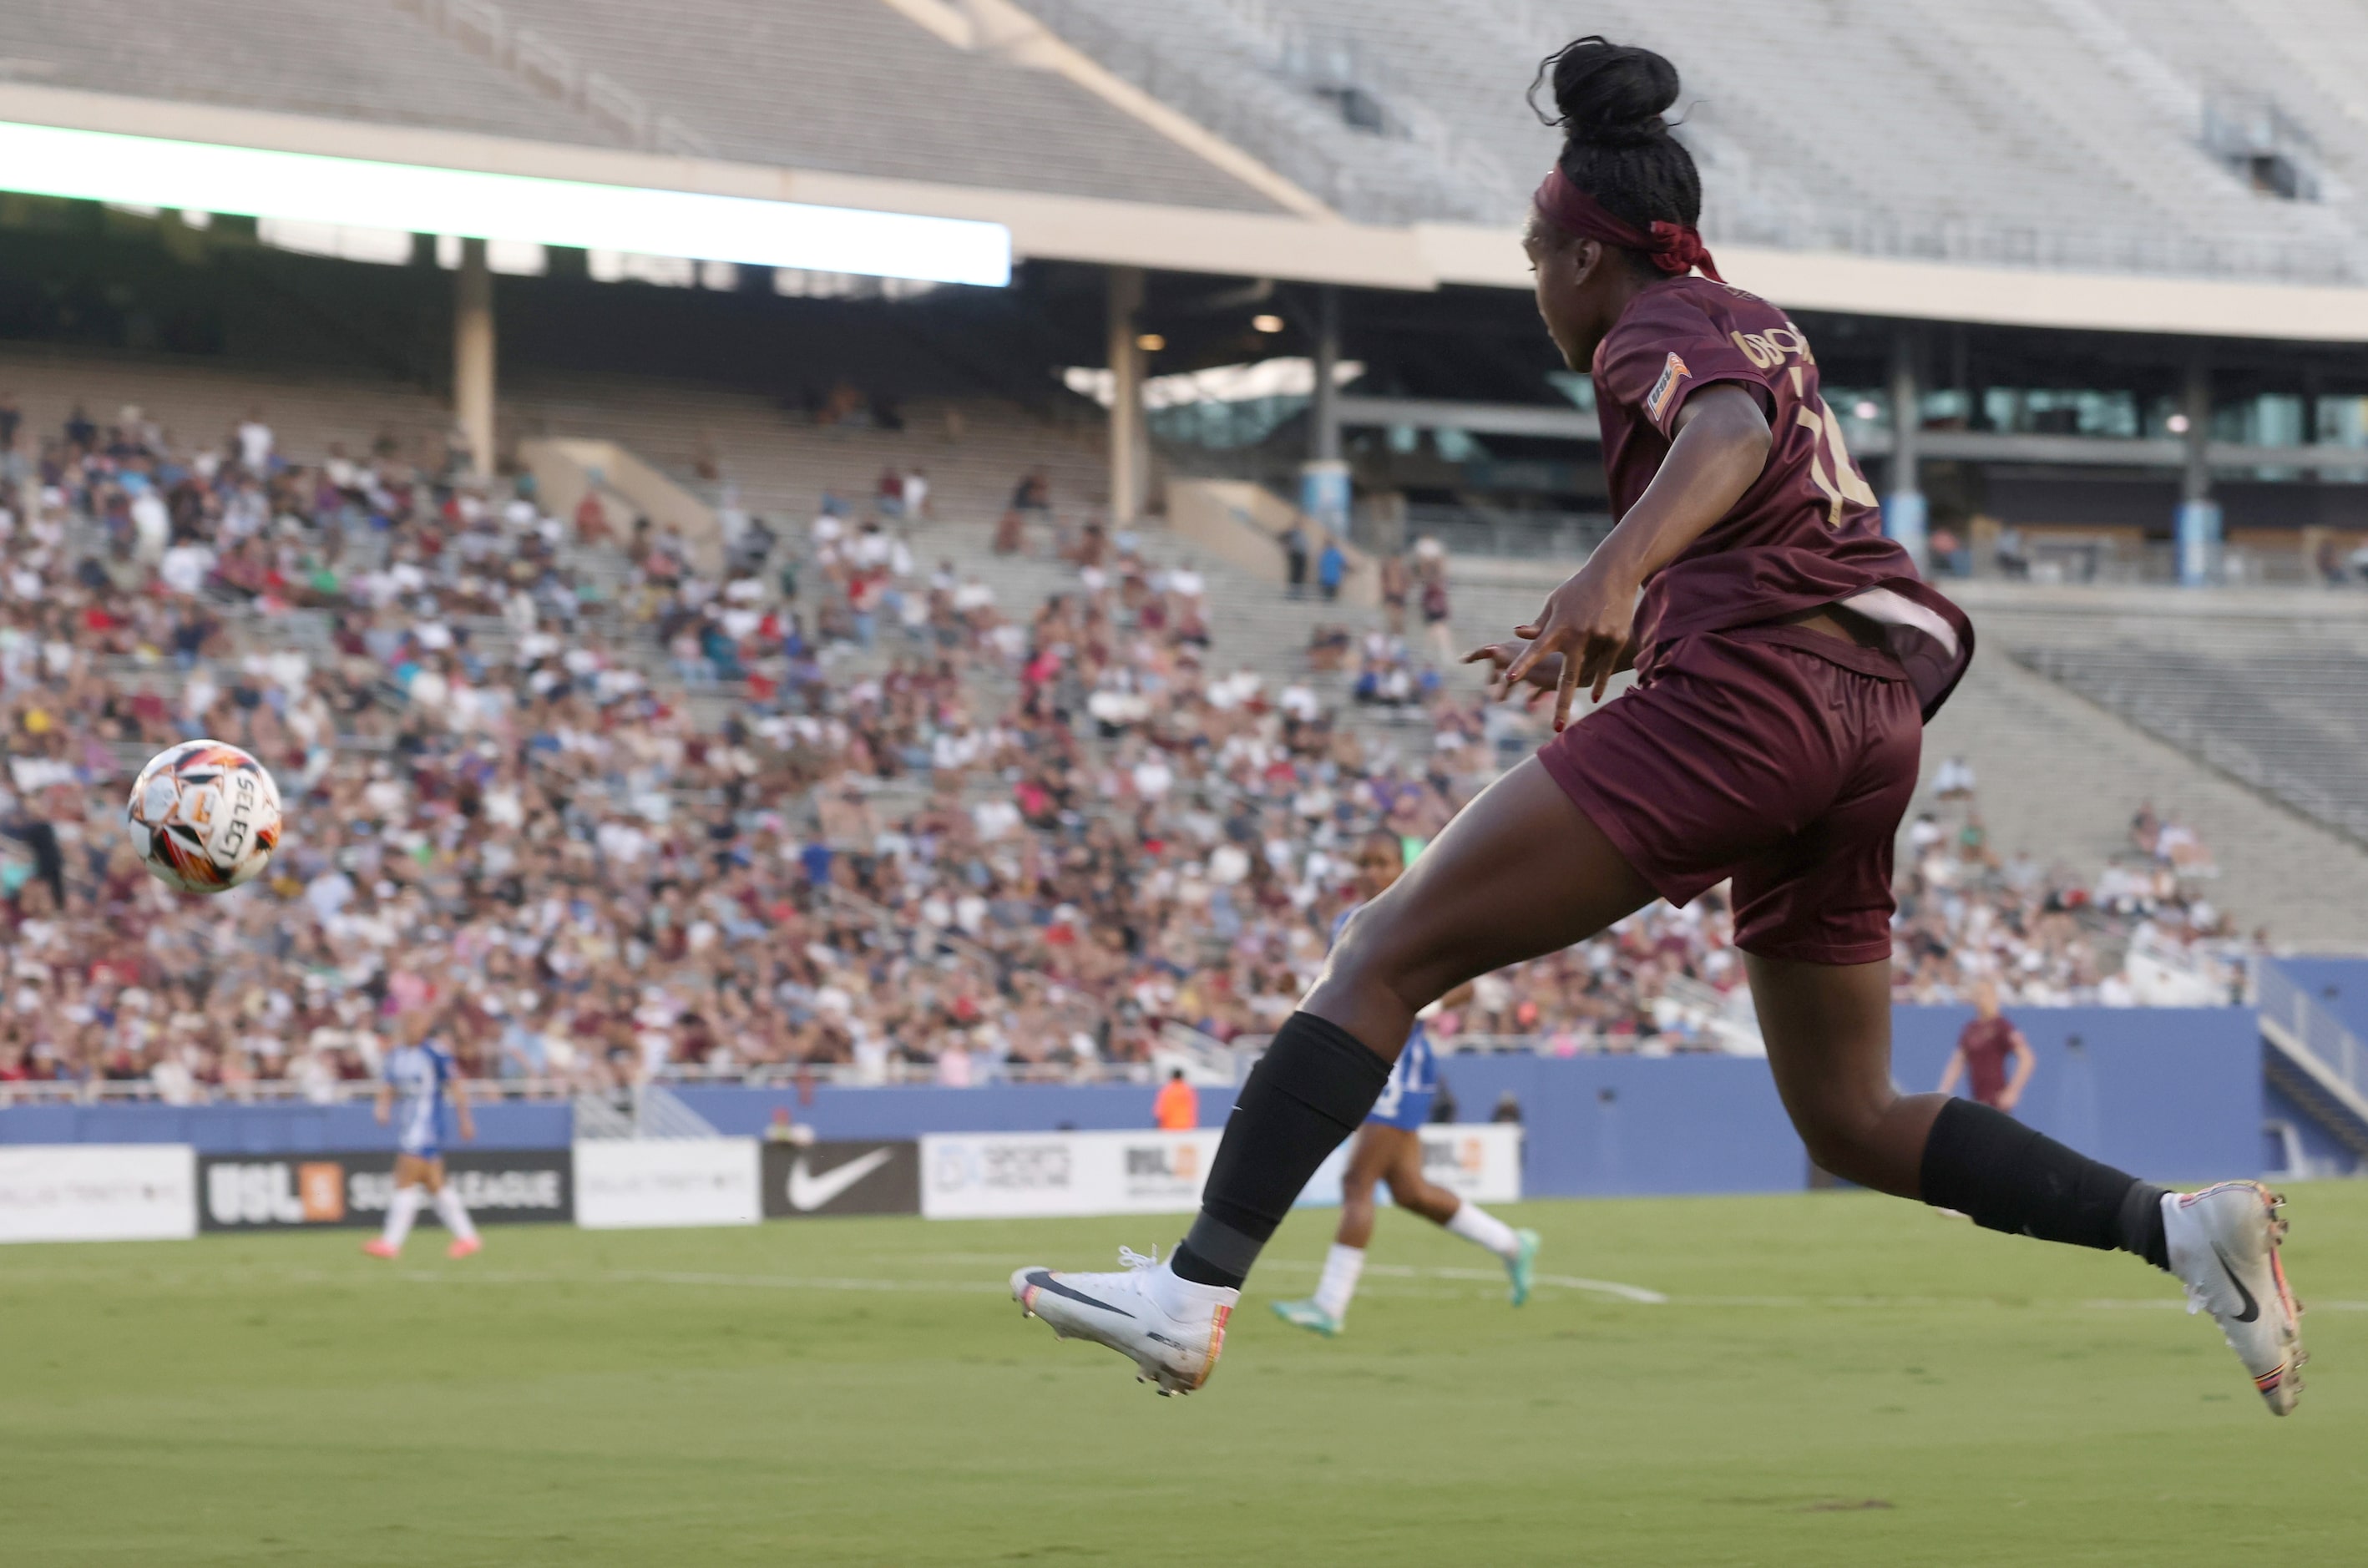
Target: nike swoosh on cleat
x=1043 y=1280
x=2252 y=1308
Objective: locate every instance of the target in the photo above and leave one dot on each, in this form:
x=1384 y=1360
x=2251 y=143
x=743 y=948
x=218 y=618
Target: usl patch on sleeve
x=1666 y=388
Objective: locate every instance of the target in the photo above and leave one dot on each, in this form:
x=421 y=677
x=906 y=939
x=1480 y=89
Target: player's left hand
x=1587 y=624
x=468 y=1128
x=1543 y=676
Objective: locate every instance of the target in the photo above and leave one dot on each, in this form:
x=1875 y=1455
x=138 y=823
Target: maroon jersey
x=1807 y=533
x=1986 y=1044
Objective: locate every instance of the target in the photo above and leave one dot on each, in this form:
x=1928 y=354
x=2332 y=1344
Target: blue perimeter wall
x=2171 y=1094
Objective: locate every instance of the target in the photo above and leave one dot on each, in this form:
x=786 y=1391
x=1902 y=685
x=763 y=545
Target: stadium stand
x=2272 y=701
x=909 y=782
x=363 y=62
x=2056 y=773
x=893 y=823
x=2117 y=156
x=803 y=84
x=973 y=451
x=2025 y=735
x=822 y=84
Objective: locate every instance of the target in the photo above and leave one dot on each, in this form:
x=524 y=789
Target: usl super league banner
x=874 y=1177
x=280 y=1192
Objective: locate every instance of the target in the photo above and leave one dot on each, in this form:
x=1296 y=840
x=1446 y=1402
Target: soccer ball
x=204 y=816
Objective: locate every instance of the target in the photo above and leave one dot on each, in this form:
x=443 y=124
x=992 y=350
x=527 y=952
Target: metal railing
x=1501 y=531
x=646 y=1110
x=1204 y=1058
x=1573 y=1042
x=2212 y=976
x=1724 y=1018
x=598 y=1112
x=2316 y=1030
x=259 y=1091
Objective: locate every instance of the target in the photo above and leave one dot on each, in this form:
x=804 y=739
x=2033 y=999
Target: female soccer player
x=1389 y=1149
x=417 y=1076
x=1787 y=655
x=1989 y=1042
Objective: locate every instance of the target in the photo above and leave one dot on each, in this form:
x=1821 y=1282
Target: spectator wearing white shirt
x=1954 y=779
x=255 y=443
x=183 y=568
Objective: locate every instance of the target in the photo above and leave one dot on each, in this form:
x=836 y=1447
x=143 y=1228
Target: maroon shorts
x=1776 y=755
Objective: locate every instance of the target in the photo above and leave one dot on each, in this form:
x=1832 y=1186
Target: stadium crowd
x=602 y=816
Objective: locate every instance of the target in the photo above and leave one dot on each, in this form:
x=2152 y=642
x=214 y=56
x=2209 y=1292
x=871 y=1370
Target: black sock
x=1306 y=1095
x=2005 y=1176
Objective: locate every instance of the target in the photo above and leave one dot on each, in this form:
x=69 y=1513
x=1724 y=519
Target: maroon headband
x=1673 y=248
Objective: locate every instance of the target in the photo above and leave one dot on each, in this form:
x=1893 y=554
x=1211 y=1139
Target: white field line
x=1564 y=1281
x=470 y=1274
x=1636 y=1293
x=668 y=1277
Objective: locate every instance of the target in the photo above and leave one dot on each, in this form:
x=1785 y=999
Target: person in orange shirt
x=1178 y=1109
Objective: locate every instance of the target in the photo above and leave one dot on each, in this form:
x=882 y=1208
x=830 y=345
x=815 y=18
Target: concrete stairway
x=2061 y=777
x=778 y=465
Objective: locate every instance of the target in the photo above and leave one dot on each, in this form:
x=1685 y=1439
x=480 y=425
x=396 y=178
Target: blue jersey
x=1407 y=1099
x=417 y=1074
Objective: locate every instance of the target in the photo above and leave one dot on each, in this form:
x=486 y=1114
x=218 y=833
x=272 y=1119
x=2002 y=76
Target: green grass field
x=1836 y=1378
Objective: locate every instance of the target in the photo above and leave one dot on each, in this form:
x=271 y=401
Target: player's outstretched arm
x=461 y=1116
x=1721 y=446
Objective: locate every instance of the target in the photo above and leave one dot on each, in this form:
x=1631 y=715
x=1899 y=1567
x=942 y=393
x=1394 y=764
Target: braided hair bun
x=1608 y=100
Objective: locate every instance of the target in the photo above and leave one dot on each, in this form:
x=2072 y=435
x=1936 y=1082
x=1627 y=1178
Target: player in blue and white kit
x=1389 y=1150
x=417 y=1076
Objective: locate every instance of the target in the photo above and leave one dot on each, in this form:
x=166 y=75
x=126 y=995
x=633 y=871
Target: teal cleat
x=1308 y=1315
x=1522 y=1268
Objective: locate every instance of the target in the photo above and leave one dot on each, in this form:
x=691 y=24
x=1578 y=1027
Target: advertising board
x=280 y=1192
x=865 y=1177
x=632 y=1183
x=98 y=1192
x=1016 y=1174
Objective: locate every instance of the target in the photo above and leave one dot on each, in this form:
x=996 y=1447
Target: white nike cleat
x=1172 y=1329
x=2223 y=1247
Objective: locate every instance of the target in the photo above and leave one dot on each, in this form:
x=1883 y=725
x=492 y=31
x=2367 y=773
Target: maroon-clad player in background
x=1788 y=655
x=1987 y=1043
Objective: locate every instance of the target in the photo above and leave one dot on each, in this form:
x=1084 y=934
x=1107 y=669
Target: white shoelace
x=1133 y=1259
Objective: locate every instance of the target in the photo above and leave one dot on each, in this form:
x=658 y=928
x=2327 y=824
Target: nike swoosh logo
x=809 y=1191
x=2252 y=1308
x=1043 y=1280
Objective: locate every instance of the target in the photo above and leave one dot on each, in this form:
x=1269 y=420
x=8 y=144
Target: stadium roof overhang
x=824 y=221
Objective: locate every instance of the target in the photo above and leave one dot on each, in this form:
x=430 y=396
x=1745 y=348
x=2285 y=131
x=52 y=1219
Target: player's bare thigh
x=1373 y=1156
x=1521 y=871
x=1369 y=1159
x=412 y=1170
x=1409 y=1188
